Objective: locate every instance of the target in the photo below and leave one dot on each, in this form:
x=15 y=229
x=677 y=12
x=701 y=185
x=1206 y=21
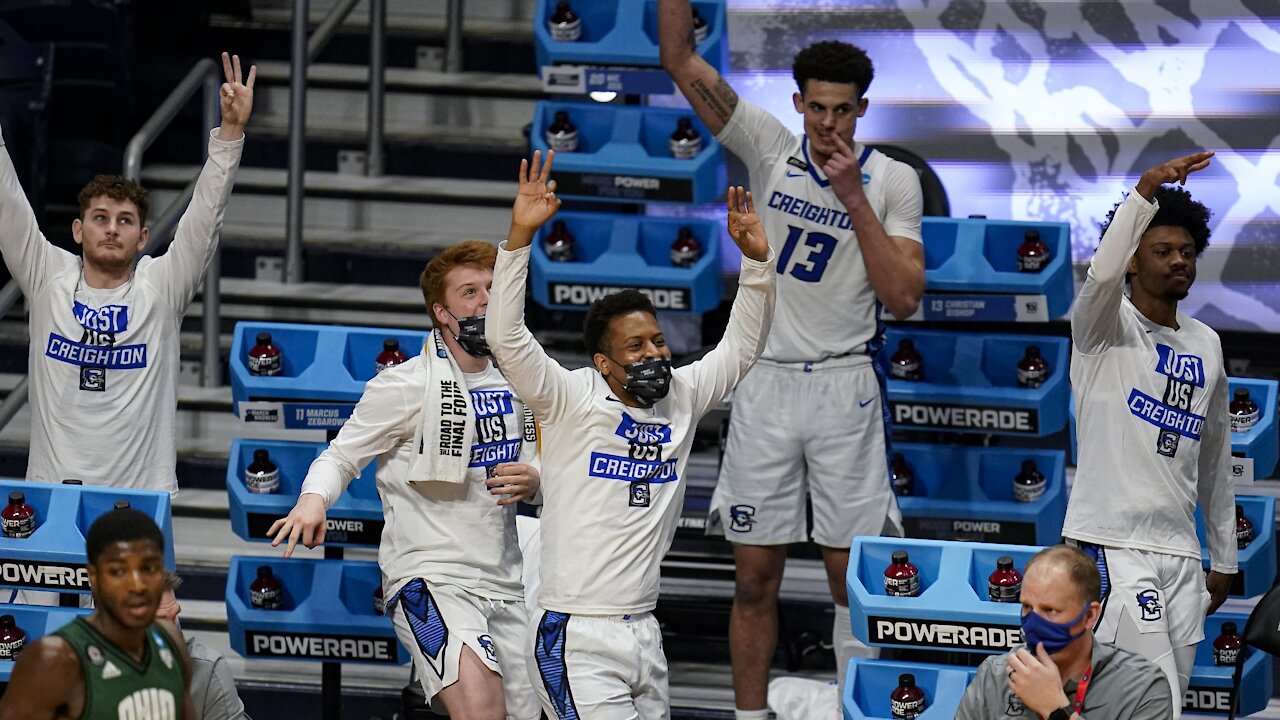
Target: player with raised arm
x=616 y=439
x=811 y=419
x=450 y=557
x=121 y=661
x=1151 y=391
x=104 y=326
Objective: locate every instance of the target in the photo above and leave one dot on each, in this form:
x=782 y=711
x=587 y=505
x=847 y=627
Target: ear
x=601 y=362
x=439 y=314
x=76 y=226
x=798 y=100
x=862 y=106
x=1091 y=617
x=142 y=238
x=93 y=571
x=1133 y=265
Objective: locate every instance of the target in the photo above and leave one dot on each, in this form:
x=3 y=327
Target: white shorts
x=806 y=430
x=600 y=667
x=434 y=622
x=1162 y=593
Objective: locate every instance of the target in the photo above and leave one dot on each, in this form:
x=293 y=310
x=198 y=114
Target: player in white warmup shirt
x=449 y=554
x=615 y=442
x=1151 y=397
x=104 y=326
x=810 y=421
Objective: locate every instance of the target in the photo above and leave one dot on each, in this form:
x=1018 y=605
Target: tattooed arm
x=709 y=94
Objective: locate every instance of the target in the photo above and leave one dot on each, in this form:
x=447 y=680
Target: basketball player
x=1151 y=393
x=449 y=555
x=104 y=326
x=616 y=440
x=121 y=661
x=811 y=418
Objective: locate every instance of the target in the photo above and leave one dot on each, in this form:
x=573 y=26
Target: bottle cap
x=1239 y=511
x=1030 y=236
x=264 y=338
x=897 y=457
x=17 y=498
x=562 y=115
x=121 y=505
x=899 y=557
x=390 y=345
x=1033 y=351
x=261 y=455
x=7 y=621
x=1004 y=562
x=264 y=572
x=906 y=344
x=1228 y=628
x=1029 y=466
x=72 y=481
x=557 y=226
x=907 y=679
x=684 y=123
x=1242 y=393
x=562 y=6
x=685 y=232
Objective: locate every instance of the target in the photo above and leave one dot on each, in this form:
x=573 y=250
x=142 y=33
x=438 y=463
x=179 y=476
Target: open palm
x=536 y=200
x=744 y=225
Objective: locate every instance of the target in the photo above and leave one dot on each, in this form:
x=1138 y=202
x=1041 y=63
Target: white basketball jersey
x=826 y=306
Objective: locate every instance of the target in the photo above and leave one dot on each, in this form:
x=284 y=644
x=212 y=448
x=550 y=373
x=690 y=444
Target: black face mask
x=471 y=335
x=648 y=380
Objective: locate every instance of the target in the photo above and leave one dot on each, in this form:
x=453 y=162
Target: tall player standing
x=811 y=418
x=1151 y=390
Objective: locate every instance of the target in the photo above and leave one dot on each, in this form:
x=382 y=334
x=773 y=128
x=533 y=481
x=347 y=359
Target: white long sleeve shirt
x=1151 y=416
x=103 y=364
x=820 y=264
x=445 y=533
x=613 y=475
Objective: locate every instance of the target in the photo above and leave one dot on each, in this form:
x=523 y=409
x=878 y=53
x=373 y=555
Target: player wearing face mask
x=450 y=557
x=616 y=438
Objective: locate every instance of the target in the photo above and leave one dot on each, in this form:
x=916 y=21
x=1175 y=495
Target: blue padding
x=1258 y=560
x=966 y=493
x=623 y=155
x=628 y=251
x=53 y=557
x=617 y=34
x=970 y=384
x=327 y=614
x=355 y=520
x=952 y=611
x=323 y=363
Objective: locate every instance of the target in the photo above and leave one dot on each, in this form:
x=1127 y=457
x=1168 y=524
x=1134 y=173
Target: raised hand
x=845 y=172
x=236 y=97
x=744 y=225
x=536 y=200
x=1175 y=170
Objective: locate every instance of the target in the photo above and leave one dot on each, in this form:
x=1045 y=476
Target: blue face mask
x=1055 y=636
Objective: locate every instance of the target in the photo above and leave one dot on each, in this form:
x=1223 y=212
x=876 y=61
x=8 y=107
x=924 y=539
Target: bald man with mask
x=1063 y=673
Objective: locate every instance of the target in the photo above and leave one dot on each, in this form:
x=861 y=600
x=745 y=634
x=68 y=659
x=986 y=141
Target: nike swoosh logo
x=796 y=175
x=865 y=403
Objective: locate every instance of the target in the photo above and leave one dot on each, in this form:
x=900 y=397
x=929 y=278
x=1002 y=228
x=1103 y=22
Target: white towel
x=447 y=427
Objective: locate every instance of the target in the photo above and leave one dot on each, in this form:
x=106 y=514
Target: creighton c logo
x=742 y=518
x=1149 y=603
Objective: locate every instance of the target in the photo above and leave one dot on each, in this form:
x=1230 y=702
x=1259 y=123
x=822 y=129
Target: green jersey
x=117 y=687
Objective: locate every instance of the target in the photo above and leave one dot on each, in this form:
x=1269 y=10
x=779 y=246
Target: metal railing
x=304 y=51
x=17 y=397
x=203 y=79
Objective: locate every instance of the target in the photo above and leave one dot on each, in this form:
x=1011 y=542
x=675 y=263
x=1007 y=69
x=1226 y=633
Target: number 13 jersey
x=825 y=306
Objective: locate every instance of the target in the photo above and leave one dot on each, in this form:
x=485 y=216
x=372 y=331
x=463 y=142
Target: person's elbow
x=674 y=57
x=904 y=303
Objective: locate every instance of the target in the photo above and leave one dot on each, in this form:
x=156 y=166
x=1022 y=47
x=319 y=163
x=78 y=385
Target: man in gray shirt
x=1070 y=675
x=212 y=688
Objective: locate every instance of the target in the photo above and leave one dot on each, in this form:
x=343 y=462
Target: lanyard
x=1081 y=689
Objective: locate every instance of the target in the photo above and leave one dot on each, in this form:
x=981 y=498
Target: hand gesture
x=536 y=200
x=236 y=97
x=306 y=521
x=1036 y=680
x=845 y=172
x=1175 y=170
x=744 y=225
x=1218 y=584
x=516 y=481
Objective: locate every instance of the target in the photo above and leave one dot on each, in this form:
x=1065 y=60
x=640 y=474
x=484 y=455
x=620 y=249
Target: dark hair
x=470 y=253
x=1177 y=209
x=119 y=189
x=1082 y=569
x=595 y=329
x=123 y=525
x=833 y=61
